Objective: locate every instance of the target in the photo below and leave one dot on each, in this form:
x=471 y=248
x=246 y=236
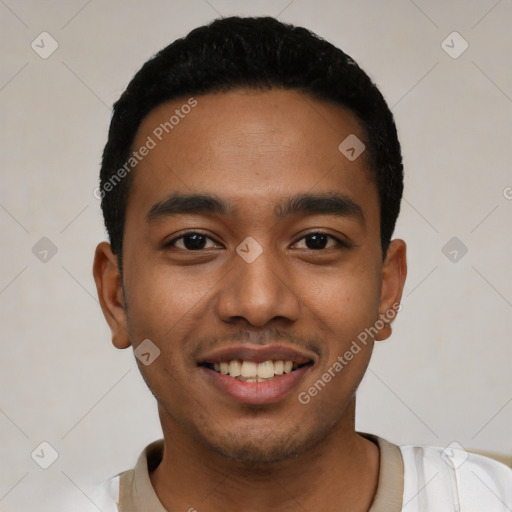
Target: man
x=250 y=187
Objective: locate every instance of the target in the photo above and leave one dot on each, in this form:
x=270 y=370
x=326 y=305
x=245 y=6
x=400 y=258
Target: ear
x=394 y=271
x=110 y=293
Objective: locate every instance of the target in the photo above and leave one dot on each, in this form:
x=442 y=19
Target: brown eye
x=190 y=242
x=316 y=241
x=319 y=241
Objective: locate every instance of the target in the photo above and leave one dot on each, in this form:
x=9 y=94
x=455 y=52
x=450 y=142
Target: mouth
x=251 y=371
x=256 y=374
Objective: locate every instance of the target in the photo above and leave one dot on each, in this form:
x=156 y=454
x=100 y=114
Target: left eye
x=318 y=241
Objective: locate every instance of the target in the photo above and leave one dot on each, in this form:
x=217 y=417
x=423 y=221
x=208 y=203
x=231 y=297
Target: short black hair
x=257 y=53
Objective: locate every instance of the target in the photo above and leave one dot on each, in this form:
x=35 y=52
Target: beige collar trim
x=390 y=488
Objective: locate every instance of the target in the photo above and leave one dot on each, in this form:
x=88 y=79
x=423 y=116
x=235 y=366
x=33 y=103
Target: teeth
x=235 y=368
x=266 y=369
x=278 y=367
x=249 y=371
x=252 y=379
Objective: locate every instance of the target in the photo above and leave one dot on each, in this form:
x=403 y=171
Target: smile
x=256 y=374
x=250 y=371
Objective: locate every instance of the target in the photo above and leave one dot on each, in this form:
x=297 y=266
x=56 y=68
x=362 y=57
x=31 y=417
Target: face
x=252 y=246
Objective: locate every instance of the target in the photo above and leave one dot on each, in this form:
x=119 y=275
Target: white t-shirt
x=411 y=479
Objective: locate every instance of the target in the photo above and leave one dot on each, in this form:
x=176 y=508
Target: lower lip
x=256 y=392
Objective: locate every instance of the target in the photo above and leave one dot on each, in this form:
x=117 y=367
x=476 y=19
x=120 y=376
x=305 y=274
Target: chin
x=257 y=451
x=264 y=447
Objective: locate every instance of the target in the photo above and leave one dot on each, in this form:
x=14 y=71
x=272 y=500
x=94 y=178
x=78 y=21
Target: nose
x=259 y=292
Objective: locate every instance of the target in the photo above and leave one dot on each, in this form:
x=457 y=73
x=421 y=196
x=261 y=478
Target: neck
x=341 y=472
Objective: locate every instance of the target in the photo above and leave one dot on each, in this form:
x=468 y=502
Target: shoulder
x=106 y=495
x=437 y=478
x=118 y=492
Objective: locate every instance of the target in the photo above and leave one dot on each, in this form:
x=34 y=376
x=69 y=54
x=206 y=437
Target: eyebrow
x=302 y=204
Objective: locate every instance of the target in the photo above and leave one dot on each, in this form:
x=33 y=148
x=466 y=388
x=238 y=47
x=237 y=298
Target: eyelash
x=339 y=243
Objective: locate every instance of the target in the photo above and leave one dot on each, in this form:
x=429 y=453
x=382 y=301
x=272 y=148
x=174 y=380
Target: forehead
x=246 y=144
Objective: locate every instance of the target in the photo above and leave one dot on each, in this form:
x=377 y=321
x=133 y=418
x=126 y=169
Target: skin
x=253 y=149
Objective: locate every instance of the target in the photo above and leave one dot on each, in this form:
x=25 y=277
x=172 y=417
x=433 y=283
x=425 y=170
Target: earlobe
x=394 y=272
x=110 y=293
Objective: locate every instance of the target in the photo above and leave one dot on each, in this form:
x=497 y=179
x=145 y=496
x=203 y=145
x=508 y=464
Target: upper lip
x=258 y=354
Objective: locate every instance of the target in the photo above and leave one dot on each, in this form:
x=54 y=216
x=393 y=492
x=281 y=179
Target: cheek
x=162 y=300
x=346 y=305
x=347 y=300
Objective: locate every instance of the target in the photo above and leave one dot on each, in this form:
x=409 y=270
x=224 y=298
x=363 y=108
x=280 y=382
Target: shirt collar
x=136 y=494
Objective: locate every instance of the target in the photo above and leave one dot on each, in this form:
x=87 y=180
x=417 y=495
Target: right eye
x=192 y=241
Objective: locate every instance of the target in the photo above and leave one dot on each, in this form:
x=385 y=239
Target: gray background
x=444 y=376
